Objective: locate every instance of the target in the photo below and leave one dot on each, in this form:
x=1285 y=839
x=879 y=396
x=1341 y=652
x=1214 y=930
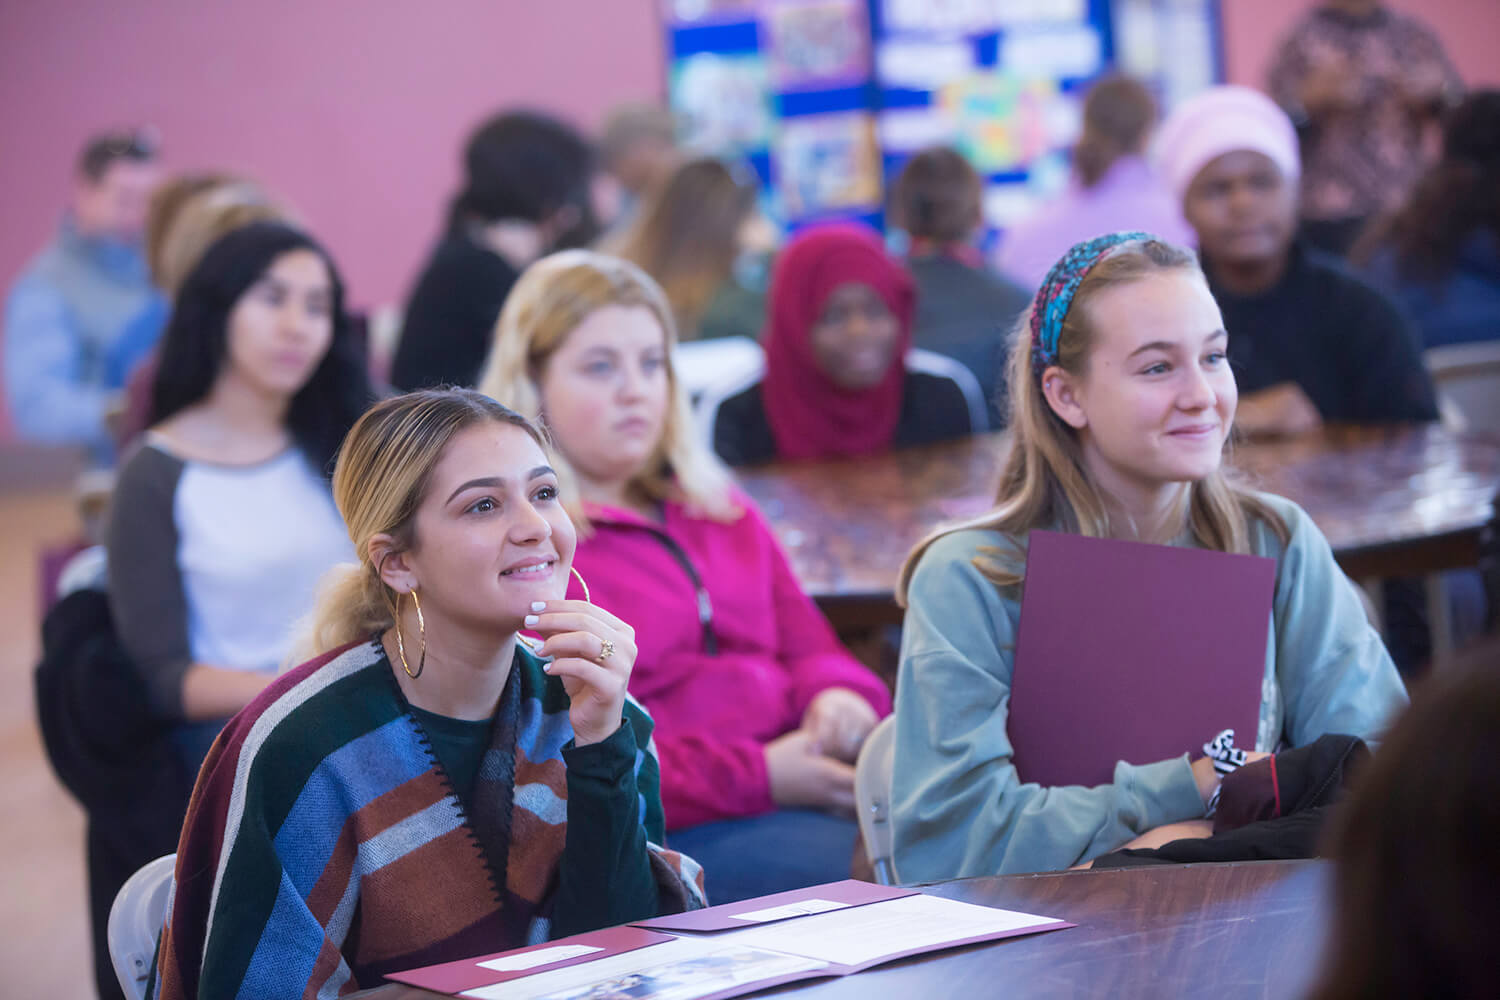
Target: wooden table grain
x=1222 y=932
x=1398 y=501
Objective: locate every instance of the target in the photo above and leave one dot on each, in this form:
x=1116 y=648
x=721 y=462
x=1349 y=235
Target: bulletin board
x=825 y=99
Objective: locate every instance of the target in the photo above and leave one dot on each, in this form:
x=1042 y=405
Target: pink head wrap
x=1223 y=120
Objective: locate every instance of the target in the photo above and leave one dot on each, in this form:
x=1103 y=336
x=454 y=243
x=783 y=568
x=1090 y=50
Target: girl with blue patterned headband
x=1121 y=403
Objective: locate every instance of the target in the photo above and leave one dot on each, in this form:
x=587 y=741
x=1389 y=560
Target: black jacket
x=450 y=318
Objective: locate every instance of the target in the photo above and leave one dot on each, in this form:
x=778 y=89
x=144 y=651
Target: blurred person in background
x=963 y=311
x=1309 y=342
x=1416 y=879
x=689 y=235
x=1112 y=189
x=527 y=191
x=840 y=379
x=1439 y=255
x=187 y=215
x=222 y=521
x=142 y=332
x=637 y=149
x=65 y=359
x=1364 y=86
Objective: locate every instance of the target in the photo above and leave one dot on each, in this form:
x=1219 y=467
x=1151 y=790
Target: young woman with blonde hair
x=760 y=710
x=427 y=788
x=1122 y=402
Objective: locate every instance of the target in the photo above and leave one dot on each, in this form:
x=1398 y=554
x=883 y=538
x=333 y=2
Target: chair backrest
x=872 y=797
x=1467 y=377
x=135 y=922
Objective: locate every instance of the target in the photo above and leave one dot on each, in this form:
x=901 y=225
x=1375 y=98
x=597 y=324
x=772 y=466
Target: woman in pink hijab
x=840 y=377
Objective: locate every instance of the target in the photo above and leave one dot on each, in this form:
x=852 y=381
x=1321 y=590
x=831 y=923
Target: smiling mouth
x=525 y=572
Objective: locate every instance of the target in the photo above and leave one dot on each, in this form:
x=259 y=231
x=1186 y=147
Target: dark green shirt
x=459 y=745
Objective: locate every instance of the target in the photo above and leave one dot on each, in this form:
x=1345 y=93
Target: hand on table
x=803 y=777
x=593 y=652
x=838 y=720
x=1281 y=410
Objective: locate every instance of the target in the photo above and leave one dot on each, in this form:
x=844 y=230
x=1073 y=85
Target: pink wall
x=354 y=110
x=1468 y=29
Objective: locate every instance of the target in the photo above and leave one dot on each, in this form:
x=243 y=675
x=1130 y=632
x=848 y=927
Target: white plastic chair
x=135 y=922
x=1467 y=377
x=872 y=797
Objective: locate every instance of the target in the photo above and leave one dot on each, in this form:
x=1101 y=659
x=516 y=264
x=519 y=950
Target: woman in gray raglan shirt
x=223 y=521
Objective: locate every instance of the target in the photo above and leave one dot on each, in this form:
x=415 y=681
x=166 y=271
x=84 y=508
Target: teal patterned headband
x=1050 y=307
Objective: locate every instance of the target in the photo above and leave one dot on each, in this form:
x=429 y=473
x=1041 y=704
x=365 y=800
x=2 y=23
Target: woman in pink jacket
x=760 y=711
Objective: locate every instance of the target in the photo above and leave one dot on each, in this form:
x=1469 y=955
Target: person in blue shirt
x=1122 y=400
x=1438 y=256
x=65 y=354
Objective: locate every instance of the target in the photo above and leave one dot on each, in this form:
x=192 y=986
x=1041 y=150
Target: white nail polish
x=531 y=620
x=538 y=605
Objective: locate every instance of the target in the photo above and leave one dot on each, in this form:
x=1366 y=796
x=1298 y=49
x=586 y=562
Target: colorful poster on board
x=976 y=17
x=1000 y=122
x=828 y=163
x=817 y=43
x=725 y=100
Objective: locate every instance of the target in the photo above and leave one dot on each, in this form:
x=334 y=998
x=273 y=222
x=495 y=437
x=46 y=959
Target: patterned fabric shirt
x=1363 y=161
x=324 y=845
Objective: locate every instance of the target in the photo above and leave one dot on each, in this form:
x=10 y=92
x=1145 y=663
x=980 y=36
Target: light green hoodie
x=958 y=807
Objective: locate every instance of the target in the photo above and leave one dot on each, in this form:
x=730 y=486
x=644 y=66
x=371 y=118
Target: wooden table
x=1401 y=501
x=1221 y=932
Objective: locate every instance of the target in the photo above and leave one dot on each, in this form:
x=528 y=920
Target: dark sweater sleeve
x=146 y=594
x=742 y=432
x=933 y=408
x=450 y=320
x=1394 y=384
x=606 y=876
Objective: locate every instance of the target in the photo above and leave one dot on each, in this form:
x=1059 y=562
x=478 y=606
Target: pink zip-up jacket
x=716 y=710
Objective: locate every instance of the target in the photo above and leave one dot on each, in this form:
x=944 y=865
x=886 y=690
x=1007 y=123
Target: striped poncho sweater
x=325 y=846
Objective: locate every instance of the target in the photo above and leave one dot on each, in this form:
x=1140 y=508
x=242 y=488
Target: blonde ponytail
x=351 y=605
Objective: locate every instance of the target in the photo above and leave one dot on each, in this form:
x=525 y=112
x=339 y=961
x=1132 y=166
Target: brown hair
x=552 y=297
x=383 y=472
x=1117 y=119
x=166 y=201
x=1044 y=482
x=629 y=125
x=104 y=150
x=687 y=236
x=200 y=220
x=1415 y=905
x=936 y=196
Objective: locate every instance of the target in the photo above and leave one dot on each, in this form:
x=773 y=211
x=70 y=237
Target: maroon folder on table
x=1133 y=652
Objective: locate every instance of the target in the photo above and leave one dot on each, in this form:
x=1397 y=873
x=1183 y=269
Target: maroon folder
x=1133 y=652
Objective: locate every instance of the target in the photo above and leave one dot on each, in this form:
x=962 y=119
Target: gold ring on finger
x=606 y=650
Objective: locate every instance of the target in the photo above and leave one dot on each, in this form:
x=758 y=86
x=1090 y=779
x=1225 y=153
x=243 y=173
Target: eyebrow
x=499 y=481
x=1167 y=345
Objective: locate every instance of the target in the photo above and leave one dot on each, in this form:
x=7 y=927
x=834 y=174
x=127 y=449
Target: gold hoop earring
x=401 y=645
x=581 y=583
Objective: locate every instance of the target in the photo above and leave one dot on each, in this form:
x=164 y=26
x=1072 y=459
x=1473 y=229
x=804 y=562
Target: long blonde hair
x=552 y=297
x=1044 y=483
x=687 y=236
x=383 y=472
